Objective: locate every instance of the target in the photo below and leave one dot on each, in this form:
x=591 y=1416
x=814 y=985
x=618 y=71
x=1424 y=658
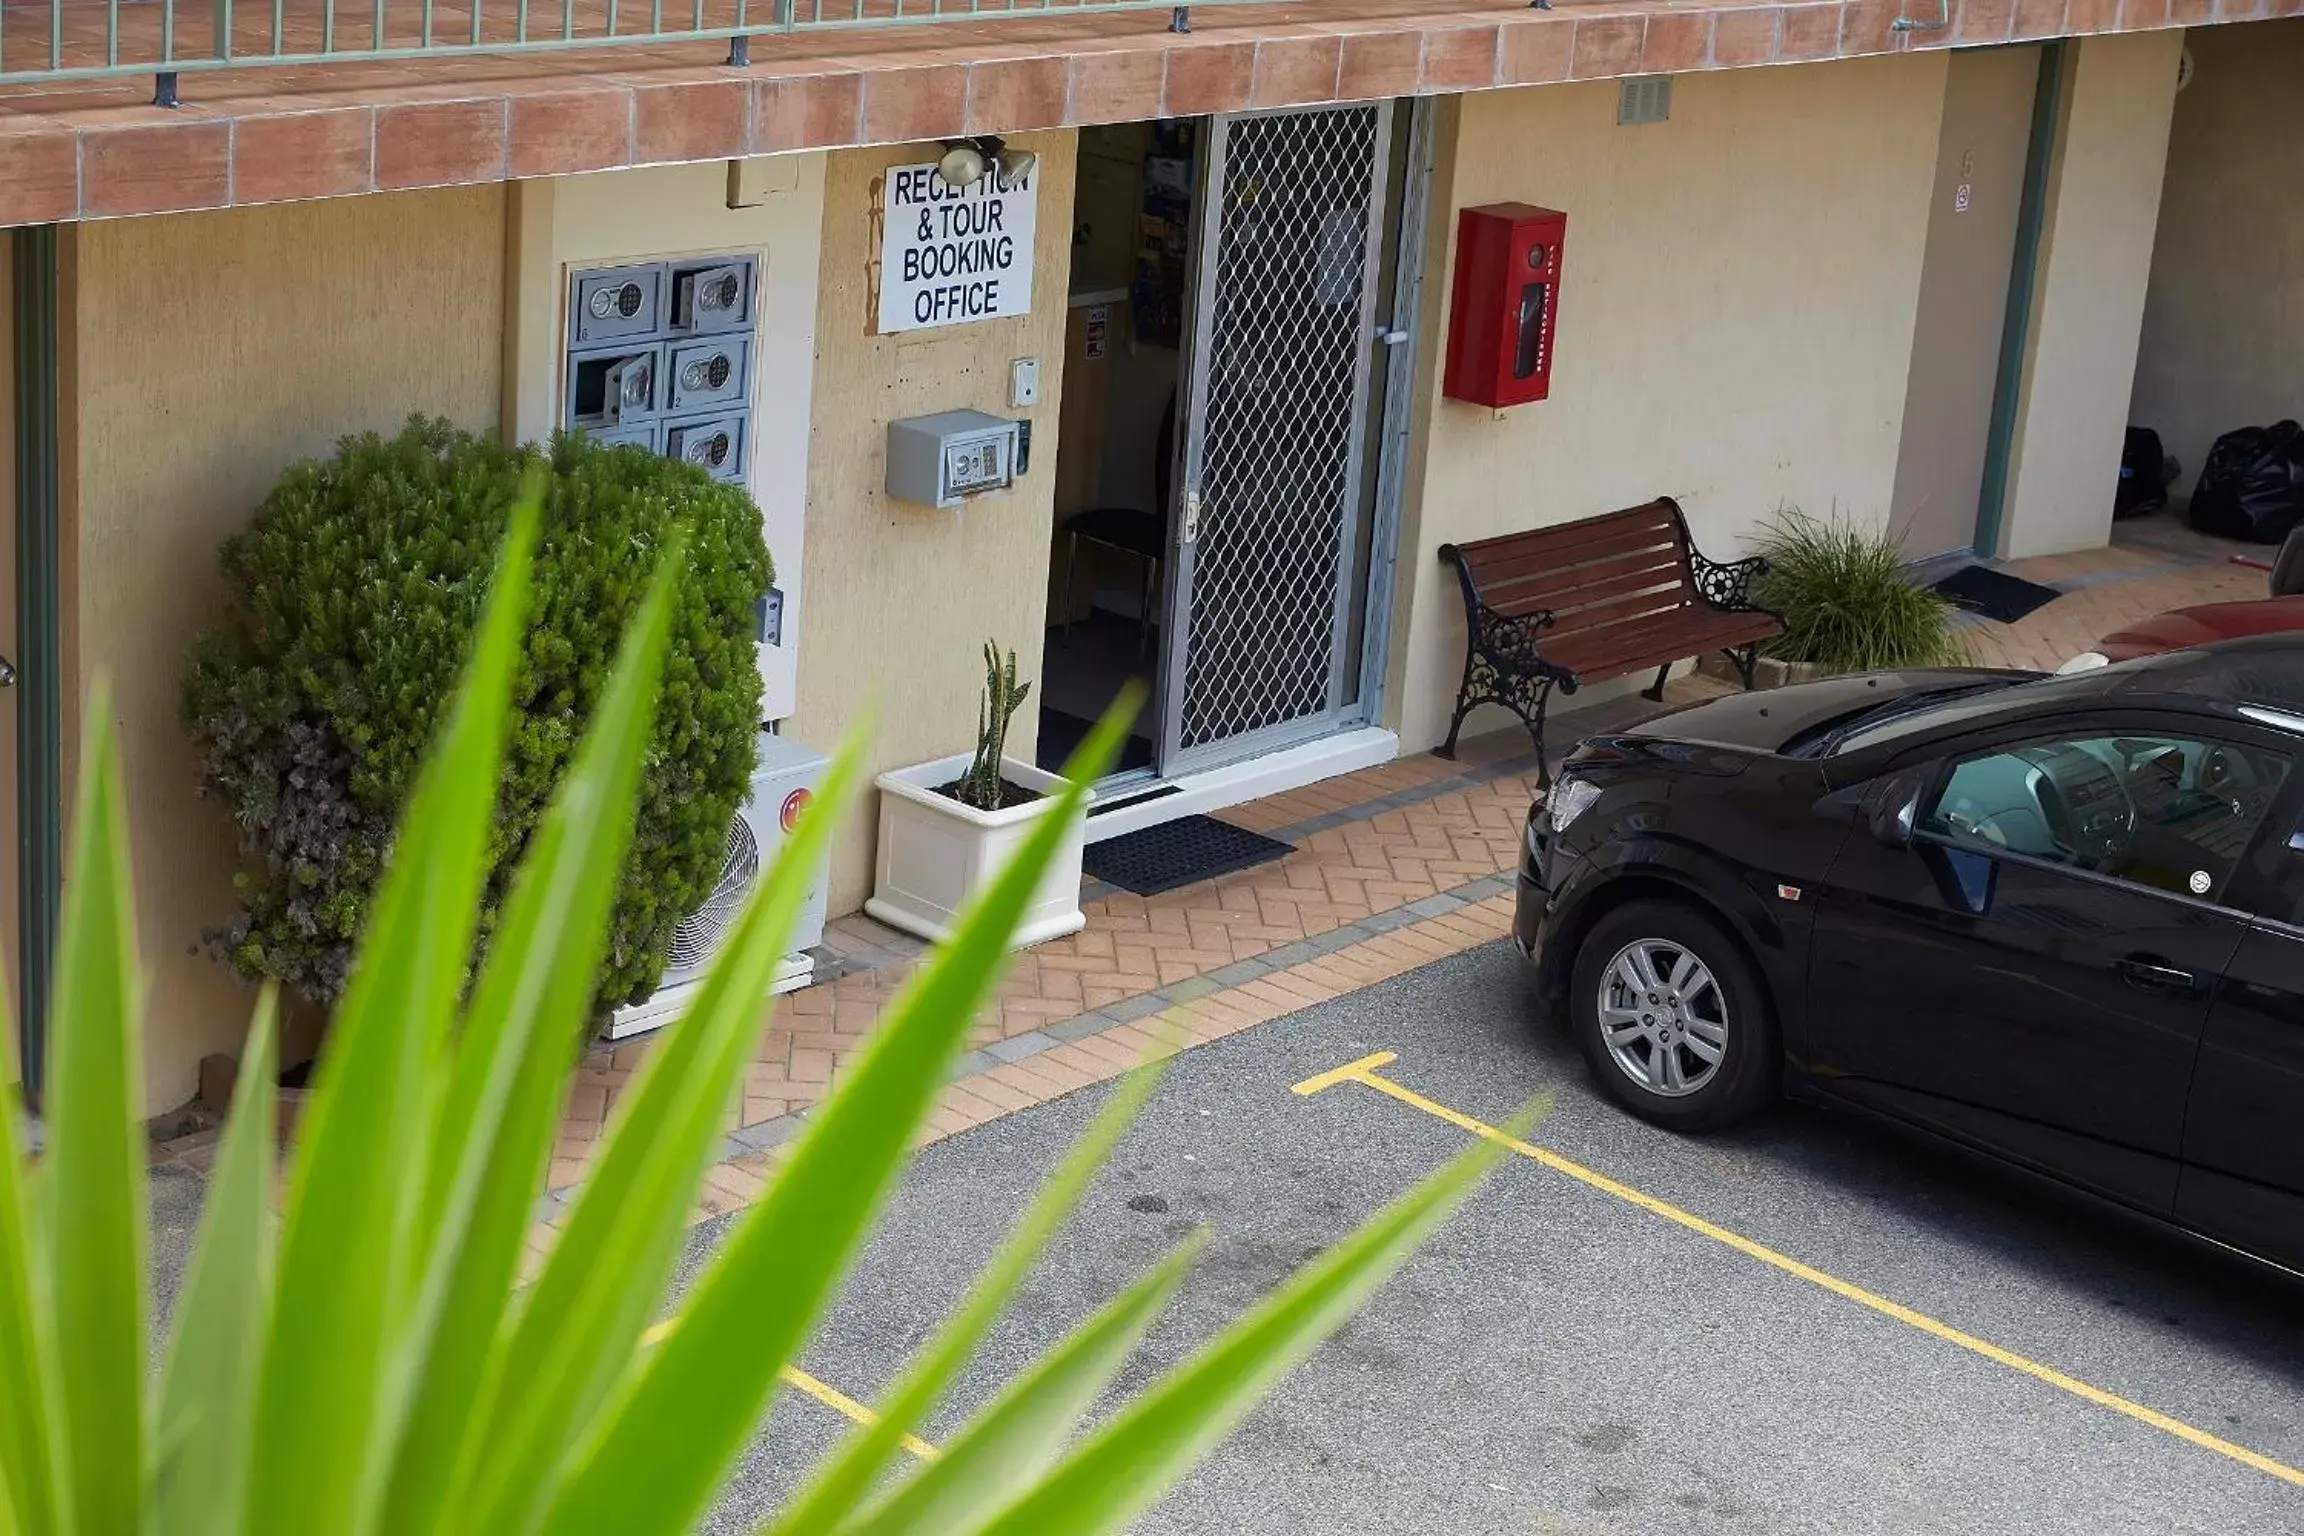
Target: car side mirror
x=1892 y=808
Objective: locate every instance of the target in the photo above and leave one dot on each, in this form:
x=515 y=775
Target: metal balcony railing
x=93 y=39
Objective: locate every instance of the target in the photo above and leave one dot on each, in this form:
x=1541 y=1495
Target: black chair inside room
x=1140 y=532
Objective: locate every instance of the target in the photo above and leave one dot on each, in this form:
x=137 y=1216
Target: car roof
x=2259 y=678
x=2266 y=671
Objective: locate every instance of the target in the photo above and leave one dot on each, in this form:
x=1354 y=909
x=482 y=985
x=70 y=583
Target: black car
x=2056 y=919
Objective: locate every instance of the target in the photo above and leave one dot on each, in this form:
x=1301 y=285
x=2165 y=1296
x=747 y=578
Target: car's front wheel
x=1672 y=1018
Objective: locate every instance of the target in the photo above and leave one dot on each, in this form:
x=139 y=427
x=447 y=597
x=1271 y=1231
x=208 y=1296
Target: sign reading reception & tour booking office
x=954 y=254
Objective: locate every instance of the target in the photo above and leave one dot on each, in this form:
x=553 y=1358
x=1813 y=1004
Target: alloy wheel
x=1663 y=1017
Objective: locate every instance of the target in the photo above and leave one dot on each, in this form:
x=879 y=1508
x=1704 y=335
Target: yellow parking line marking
x=824 y=1392
x=1361 y=1071
x=840 y=1402
x=1364 y=1072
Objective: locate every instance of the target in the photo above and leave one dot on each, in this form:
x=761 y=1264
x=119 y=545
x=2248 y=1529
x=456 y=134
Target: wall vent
x=1644 y=99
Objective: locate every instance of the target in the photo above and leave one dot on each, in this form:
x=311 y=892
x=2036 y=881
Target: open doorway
x=1238 y=291
x=1116 y=441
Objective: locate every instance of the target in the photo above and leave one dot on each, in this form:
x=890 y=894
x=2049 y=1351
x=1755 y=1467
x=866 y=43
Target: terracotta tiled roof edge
x=93 y=153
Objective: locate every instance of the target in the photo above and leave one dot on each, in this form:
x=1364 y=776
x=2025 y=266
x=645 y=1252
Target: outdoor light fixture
x=966 y=160
x=1016 y=164
x=963 y=164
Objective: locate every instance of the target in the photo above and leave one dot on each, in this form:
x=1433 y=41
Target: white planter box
x=935 y=852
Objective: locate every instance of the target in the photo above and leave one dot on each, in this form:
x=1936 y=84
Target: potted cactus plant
x=947 y=826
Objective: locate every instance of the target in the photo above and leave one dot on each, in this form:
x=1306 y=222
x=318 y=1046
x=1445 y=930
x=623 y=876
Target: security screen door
x=1273 y=493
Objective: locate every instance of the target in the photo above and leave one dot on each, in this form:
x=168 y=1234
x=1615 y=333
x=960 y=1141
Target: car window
x=2277 y=891
x=2159 y=811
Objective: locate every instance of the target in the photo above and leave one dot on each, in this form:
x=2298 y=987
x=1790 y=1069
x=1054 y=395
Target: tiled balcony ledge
x=94 y=150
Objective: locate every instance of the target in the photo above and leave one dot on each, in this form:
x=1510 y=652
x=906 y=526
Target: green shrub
x=1846 y=603
x=352 y=604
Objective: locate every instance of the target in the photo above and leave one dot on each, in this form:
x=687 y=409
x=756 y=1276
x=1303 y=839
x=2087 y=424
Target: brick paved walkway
x=2158 y=564
x=1394 y=867
x=1379 y=853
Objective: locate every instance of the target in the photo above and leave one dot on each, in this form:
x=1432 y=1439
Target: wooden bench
x=1582 y=602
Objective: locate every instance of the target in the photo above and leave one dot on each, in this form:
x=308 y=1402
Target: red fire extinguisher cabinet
x=1506 y=304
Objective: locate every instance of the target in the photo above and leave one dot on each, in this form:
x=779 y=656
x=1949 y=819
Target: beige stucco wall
x=2223 y=339
x=211 y=351
x=902 y=598
x=1981 y=155
x=2088 y=304
x=1735 y=323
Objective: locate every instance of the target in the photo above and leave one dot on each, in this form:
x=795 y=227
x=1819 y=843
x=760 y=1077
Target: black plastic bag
x=2252 y=486
x=2144 y=475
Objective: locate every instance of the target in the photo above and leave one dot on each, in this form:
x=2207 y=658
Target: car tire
x=1650 y=1052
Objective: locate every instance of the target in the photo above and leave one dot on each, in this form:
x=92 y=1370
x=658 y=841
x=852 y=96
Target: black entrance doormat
x=1995 y=594
x=1180 y=852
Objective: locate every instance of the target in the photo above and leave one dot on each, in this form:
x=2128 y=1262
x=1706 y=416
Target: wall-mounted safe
x=715 y=444
x=953 y=457
x=704 y=374
x=613 y=387
x=612 y=304
x=660 y=357
x=1506 y=304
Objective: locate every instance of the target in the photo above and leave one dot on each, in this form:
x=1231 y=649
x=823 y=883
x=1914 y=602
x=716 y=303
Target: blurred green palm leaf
x=364 y=1363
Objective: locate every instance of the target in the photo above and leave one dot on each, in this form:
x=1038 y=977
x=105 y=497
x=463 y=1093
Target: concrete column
x=2095 y=261
x=1982 y=157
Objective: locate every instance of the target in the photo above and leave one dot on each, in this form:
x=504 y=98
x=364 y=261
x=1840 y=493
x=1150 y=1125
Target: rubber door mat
x=1995 y=594
x=1180 y=852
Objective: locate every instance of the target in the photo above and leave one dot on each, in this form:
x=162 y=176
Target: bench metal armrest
x=1727 y=584
x=1506 y=640
x=1509 y=639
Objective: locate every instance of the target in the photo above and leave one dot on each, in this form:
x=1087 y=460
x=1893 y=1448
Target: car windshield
x=1899 y=718
x=1824 y=738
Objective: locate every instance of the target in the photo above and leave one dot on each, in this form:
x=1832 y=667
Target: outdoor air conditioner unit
x=785 y=777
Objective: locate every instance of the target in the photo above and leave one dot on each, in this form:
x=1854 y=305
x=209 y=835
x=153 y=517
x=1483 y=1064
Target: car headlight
x=1569 y=799
x=2086 y=661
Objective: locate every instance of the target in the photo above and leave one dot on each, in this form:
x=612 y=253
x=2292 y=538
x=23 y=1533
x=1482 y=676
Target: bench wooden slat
x=1654 y=514
x=1568 y=544
x=1599 y=556
x=1619 y=595
x=1553 y=588
x=1674 y=605
x=1611 y=650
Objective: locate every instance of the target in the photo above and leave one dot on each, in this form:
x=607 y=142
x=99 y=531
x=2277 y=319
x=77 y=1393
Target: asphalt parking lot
x=1562 y=1359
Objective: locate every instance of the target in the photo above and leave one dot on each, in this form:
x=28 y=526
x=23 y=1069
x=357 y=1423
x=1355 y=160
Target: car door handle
x=2148 y=973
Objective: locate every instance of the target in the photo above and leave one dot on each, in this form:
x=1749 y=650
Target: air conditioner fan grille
x=698 y=936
